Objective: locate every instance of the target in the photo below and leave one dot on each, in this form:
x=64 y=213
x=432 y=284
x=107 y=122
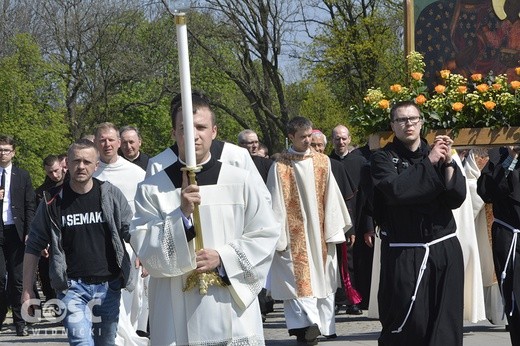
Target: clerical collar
x=135 y=158
x=292 y=151
x=216 y=149
x=341 y=156
x=208 y=175
x=200 y=164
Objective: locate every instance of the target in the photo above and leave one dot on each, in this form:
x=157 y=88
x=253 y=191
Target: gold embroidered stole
x=297 y=236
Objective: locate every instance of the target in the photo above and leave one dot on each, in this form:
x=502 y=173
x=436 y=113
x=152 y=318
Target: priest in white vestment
x=307 y=201
x=239 y=232
x=221 y=151
x=474 y=308
x=125 y=176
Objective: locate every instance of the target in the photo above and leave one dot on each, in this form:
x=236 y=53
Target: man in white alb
x=125 y=176
x=221 y=151
x=239 y=233
x=308 y=202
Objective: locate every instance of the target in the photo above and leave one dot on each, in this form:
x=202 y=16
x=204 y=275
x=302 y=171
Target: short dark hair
x=82 y=143
x=9 y=140
x=129 y=128
x=198 y=100
x=298 y=123
x=50 y=160
x=264 y=147
x=402 y=104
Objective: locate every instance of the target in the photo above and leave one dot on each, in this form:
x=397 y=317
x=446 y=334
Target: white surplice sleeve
x=275 y=189
x=158 y=235
x=248 y=257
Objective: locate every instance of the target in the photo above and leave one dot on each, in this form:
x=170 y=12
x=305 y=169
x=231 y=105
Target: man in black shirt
x=54 y=176
x=85 y=222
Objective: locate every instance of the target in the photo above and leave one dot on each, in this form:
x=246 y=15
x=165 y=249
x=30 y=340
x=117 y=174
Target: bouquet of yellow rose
x=481 y=101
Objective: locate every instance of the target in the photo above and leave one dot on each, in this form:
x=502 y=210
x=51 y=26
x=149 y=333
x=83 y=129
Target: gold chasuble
x=309 y=205
x=295 y=218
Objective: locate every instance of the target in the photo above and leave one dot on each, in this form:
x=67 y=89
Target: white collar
x=292 y=151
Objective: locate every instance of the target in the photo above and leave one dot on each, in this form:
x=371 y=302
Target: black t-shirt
x=86 y=238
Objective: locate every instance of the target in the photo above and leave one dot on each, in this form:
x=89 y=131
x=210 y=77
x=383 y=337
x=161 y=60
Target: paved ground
x=351 y=330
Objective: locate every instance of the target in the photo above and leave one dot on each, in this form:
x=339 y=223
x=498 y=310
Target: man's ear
x=172 y=134
x=214 y=132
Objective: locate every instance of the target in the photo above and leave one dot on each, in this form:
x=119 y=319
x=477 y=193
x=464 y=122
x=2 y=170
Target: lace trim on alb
x=167 y=257
x=250 y=277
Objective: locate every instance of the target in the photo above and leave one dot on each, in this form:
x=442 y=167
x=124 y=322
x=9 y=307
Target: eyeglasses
x=404 y=121
x=6 y=151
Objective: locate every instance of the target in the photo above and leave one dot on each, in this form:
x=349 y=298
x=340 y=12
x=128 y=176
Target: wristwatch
x=450 y=164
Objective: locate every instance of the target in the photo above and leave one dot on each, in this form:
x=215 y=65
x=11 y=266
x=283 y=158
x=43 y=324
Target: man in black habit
x=500 y=184
x=359 y=254
x=422 y=276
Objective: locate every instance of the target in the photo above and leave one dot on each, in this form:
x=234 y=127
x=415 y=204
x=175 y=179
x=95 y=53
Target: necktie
x=2 y=187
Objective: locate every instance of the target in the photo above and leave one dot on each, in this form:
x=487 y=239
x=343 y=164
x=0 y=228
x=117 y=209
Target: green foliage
x=31 y=106
x=231 y=107
x=358 y=49
x=116 y=62
x=241 y=40
x=131 y=72
x=129 y=107
x=318 y=103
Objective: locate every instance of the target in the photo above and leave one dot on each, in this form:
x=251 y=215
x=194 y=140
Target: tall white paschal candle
x=185 y=79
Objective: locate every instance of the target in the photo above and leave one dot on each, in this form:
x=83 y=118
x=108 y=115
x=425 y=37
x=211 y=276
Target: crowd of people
x=137 y=250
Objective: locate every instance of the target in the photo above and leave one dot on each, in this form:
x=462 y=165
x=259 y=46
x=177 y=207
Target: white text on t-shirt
x=82 y=219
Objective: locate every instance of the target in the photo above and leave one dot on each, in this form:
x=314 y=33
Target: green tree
x=31 y=107
x=314 y=99
x=360 y=45
x=243 y=40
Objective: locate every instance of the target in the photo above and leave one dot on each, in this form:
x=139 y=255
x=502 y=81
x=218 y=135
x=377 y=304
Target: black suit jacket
x=23 y=204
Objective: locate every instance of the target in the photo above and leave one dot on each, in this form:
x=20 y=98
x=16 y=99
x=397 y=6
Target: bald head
x=341 y=140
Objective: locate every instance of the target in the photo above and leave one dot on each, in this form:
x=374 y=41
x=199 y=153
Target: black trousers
x=11 y=273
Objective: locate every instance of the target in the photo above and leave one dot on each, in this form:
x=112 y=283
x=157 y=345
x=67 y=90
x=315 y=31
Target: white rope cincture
x=512 y=253
x=426 y=246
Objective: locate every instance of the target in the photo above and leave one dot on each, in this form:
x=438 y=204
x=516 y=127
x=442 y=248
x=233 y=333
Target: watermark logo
x=75 y=312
